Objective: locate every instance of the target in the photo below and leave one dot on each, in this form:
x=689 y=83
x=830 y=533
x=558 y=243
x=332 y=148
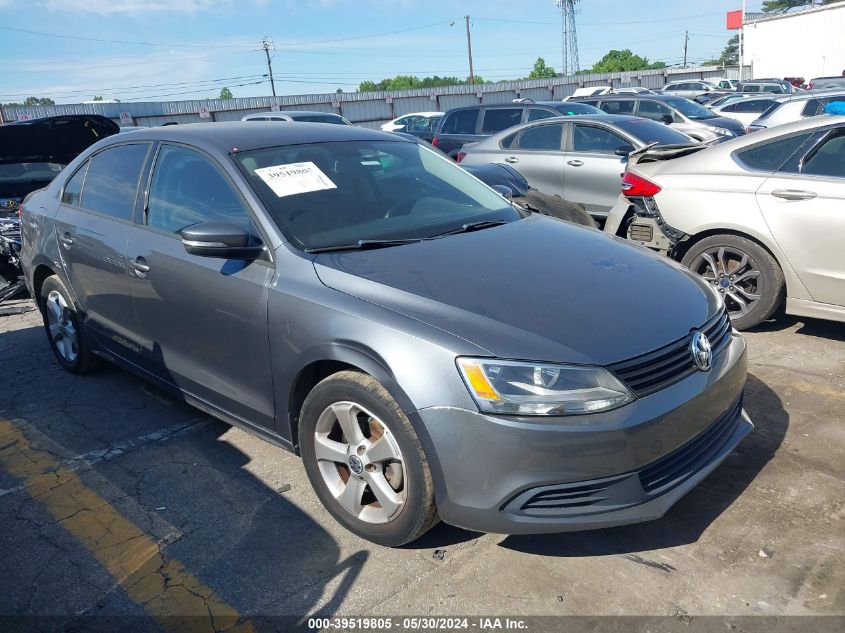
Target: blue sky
x=194 y=47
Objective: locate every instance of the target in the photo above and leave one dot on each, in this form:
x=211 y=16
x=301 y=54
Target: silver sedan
x=579 y=160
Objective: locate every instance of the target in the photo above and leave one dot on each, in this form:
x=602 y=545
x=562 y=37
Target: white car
x=759 y=217
x=796 y=107
x=406 y=119
x=745 y=110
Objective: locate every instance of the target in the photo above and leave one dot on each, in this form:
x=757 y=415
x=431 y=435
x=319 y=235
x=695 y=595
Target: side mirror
x=504 y=191
x=624 y=150
x=668 y=119
x=221 y=239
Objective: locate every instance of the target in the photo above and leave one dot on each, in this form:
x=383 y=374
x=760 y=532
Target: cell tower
x=569 y=37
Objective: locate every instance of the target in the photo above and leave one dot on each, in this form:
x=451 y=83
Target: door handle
x=793 y=194
x=511 y=159
x=66 y=239
x=575 y=163
x=140 y=266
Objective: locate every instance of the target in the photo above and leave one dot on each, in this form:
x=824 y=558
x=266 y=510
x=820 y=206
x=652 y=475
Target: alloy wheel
x=733 y=274
x=360 y=462
x=61 y=327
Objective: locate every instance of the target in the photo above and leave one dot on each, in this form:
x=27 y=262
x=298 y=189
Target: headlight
x=723 y=131
x=521 y=388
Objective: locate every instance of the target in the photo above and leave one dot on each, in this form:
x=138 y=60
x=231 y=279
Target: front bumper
x=535 y=475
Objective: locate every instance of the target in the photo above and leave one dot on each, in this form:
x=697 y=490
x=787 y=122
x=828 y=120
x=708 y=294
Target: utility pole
x=469 y=52
x=686 y=43
x=266 y=46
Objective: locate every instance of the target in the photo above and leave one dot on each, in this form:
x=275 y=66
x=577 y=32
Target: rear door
x=592 y=172
x=202 y=320
x=92 y=228
x=537 y=153
x=804 y=205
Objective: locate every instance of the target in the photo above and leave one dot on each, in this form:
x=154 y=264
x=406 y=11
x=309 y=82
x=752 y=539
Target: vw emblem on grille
x=702 y=353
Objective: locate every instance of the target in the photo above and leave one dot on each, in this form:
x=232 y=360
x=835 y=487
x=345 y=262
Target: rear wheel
x=64 y=328
x=364 y=460
x=743 y=272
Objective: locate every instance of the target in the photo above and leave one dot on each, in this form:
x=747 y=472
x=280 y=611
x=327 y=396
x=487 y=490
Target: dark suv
x=474 y=123
x=686 y=116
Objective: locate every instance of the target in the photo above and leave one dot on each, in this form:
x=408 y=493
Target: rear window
x=498 y=119
x=648 y=131
x=460 y=122
x=770 y=156
x=321 y=118
x=570 y=108
x=28 y=172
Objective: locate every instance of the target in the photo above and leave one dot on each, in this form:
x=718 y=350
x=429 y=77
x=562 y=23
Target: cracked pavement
x=197 y=504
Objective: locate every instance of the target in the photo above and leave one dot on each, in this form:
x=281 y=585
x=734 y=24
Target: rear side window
x=541 y=137
x=73 y=189
x=770 y=156
x=535 y=114
x=751 y=88
x=813 y=107
x=653 y=110
x=188 y=189
x=112 y=180
x=828 y=159
x=498 y=119
x=586 y=138
x=622 y=106
x=460 y=122
x=751 y=106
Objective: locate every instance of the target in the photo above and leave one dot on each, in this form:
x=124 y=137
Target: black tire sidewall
x=406 y=525
x=771 y=287
x=84 y=357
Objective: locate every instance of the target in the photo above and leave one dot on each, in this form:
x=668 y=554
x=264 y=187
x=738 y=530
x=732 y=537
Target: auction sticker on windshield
x=295 y=178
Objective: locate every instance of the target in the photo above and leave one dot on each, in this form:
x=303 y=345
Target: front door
x=804 y=206
x=592 y=172
x=202 y=320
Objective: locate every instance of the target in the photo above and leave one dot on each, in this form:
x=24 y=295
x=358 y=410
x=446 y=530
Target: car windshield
x=574 y=108
x=28 y=172
x=690 y=109
x=648 y=131
x=333 y=194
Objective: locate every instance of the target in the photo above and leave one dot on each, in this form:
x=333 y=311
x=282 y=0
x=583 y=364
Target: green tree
x=782 y=6
x=31 y=101
x=620 y=61
x=730 y=54
x=225 y=93
x=97 y=98
x=339 y=90
x=408 y=82
x=541 y=70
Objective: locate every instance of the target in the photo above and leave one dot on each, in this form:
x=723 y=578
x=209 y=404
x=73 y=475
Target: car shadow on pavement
x=818 y=328
x=190 y=490
x=685 y=522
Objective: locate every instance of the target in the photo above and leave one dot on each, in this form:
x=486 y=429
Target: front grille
x=656 y=370
x=675 y=467
x=566 y=496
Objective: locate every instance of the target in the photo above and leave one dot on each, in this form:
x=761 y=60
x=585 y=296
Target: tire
x=745 y=272
x=72 y=349
x=398 y=470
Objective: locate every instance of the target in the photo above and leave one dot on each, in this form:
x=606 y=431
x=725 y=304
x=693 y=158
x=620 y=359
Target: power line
x=105 y=41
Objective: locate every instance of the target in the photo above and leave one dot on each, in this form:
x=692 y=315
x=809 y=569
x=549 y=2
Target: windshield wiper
x=473 y=226
x=363 y=245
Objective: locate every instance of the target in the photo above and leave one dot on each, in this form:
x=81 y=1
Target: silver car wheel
x=360 y=462
x=733 y=274
x=60 y=325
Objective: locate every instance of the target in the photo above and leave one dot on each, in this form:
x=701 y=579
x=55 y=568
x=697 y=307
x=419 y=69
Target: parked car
x=746 y=111
x=361 y=300
x=725 y=84
x=759 y=218
x=400 y=123
x=302 y=116
x=795 y=108
x=32 y=153
x=474 y=123
x=632 y=90
x=682 y=114
x=827 y=83
x=579 y=159
x=688 y=88
x=727 y=98
x=423 y=128
x=774 y=86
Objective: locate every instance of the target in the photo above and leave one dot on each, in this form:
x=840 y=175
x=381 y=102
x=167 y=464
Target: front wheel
x=743 y=272
x=364 y=460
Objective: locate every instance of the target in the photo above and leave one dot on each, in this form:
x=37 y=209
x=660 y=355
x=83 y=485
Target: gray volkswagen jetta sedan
x=431 y=351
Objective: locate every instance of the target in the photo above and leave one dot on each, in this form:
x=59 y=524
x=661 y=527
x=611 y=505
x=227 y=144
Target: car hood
x=726 y=122
x=57 y=139
x=537 y=289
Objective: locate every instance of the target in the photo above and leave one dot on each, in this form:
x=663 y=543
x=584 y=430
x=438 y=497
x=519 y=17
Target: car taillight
x=460 y=157
x=434 y=141
x=20 y=211
x=634 y=186
x=810 y=87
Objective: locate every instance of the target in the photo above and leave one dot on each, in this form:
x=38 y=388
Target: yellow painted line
x=162 y=585
x=818 y=390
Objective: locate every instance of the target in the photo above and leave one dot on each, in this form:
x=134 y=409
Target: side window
x=813 y=107
x=621 y=106
x=770 y=156
x=535 y=114
x=730 y=108
x=751 y=88
x=752 y=105
x=653 y=110
x=461 y=122
x=187 y=188
x=509 y=141
x=498 y=119
x=541 y=137
x=586 y=138
x=73 y=188
x=112 y=180
x=828 y=159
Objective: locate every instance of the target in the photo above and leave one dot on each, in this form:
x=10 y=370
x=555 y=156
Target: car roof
x=581 y=118
x=611 y=97
x=293 y=113
x=233 y=136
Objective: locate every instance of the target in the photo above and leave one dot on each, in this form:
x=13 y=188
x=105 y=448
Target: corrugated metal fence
x=368 y=109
